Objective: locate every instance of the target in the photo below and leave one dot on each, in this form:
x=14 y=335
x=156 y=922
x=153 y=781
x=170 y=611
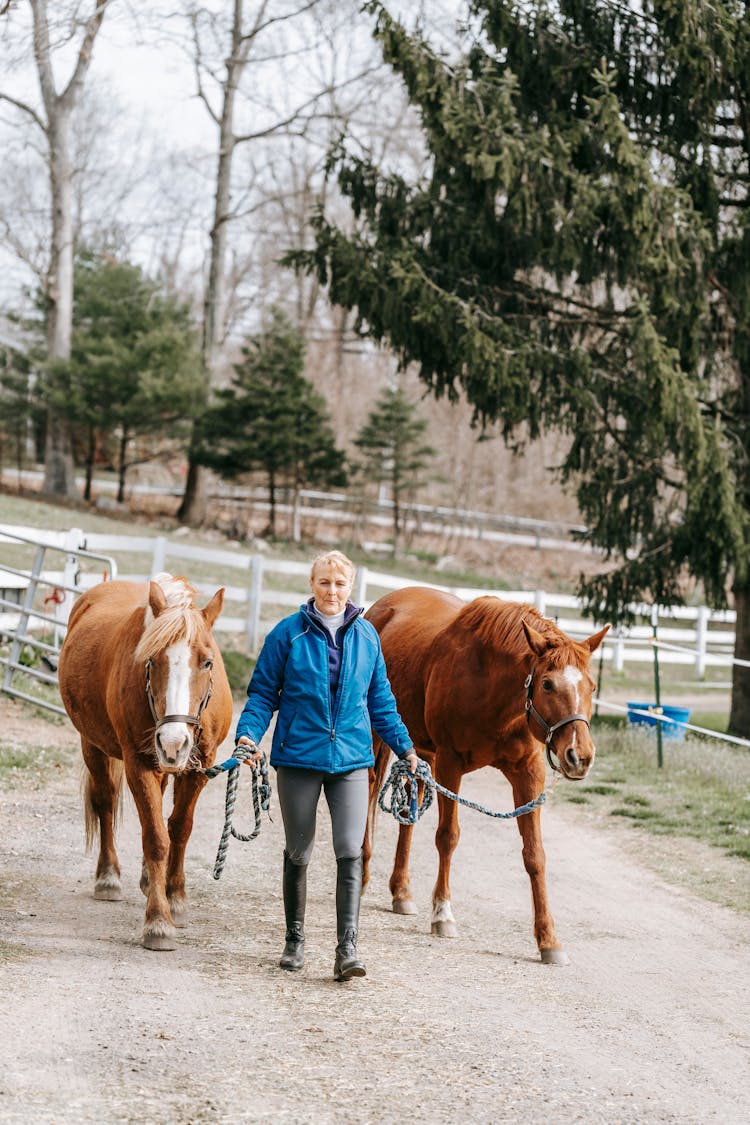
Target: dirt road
x=649 y=1023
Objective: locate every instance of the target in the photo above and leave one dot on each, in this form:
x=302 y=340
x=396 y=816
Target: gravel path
x=649 y=1023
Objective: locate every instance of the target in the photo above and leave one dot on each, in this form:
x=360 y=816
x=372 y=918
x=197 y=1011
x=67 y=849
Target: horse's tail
x=377 y=778
x=116 y=772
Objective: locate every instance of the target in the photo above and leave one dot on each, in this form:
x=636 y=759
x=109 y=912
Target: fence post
x=657 y=689
x=701 y=639
x=23 y=619
x=74 y=541
x=618 y=652
x=540 y=602
x=360 y=590
x=254 y=595
x=159 y=556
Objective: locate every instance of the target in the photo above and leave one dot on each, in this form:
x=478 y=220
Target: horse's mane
x=179 y=620
x=498 y=625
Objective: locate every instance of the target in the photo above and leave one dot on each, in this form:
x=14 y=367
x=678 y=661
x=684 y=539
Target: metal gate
x=39 y=582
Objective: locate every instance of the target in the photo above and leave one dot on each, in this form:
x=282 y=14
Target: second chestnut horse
x=483 y=683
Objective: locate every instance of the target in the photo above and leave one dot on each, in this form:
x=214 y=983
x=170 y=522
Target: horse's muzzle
x=571 y=764
x=174 y=744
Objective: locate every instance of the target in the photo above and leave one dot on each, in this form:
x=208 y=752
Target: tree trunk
x=122 y=468
x=271 y=529
x=90 y=456
x=396 y=509
x=194 y=505
x=739 y=715
x=296 y=517
x=396 y=525
x=59 y=469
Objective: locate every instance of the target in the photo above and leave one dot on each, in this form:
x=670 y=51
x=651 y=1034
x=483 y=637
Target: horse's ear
x=157 y=599
x=592 y=643
x=537 y=643
x=214 y=607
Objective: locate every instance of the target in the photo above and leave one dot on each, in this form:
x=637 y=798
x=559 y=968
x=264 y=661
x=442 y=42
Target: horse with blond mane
x=488 y=683
x=143 y=682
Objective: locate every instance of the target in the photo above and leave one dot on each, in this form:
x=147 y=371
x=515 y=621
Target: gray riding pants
x=347 y=796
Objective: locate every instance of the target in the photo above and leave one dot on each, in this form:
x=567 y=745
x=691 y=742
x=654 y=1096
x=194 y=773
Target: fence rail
x=259 y=590
x=25 y=593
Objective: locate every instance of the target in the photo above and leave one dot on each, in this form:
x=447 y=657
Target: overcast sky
x=146 y=66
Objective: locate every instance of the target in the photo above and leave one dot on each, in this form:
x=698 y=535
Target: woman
x=323 y=670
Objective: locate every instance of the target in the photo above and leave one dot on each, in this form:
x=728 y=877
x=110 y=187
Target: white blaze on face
x=573 y=676
x=177 y=699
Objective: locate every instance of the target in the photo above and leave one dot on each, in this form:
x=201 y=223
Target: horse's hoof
x=404 y=906
x=444 y=928
x=554 y=957
x=107 y=891
x=160 y=943
x=179 y=911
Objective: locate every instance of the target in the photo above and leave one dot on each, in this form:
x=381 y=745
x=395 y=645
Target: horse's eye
x=548 y=685
x=208 y=665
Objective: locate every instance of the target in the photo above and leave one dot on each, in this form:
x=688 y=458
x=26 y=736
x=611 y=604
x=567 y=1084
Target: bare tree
x=54 y=121
x=252 y=39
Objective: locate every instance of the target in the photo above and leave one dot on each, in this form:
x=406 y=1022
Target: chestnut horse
x=484 y=683
x=143 y=681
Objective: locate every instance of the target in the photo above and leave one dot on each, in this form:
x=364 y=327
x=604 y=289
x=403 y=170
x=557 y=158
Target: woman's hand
x=256 y=753
x=413 y=761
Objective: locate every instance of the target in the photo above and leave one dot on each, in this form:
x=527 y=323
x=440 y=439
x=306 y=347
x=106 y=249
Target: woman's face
x=331 y=587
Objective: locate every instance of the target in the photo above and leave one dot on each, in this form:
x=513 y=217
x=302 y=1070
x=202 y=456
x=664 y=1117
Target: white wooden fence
x=259 y=590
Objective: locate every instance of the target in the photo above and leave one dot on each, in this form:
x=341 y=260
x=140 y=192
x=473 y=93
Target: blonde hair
x=335 y=559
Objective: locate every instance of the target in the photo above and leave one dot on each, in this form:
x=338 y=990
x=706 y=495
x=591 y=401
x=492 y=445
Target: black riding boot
x=348 y=893
x=295 y=898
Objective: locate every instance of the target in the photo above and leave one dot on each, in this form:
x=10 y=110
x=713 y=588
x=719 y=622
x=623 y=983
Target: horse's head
x=559 y=688
x=179 y=654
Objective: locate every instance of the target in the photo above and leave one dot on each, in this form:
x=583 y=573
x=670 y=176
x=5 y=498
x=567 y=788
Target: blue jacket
x=316 y=729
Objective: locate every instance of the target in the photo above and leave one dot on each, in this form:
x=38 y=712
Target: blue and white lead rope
x=404 y=805
x=405 y=808
x=261 y=798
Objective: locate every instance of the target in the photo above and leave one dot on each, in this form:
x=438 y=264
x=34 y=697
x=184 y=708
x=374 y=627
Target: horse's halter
x=192 y=720
x=549 y=729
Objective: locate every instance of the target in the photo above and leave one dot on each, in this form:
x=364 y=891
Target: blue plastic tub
x=673 y=723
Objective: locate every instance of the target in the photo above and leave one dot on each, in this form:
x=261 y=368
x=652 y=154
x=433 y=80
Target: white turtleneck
x=332 y=621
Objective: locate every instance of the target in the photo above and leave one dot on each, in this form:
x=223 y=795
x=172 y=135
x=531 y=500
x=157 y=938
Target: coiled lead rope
x=404 y=805
x=261 y=791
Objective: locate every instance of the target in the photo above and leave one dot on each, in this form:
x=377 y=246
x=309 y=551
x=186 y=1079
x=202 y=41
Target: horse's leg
x=187 y=790
x=400 y=884
x=146 y=787
x=528 y=783
x=102 y=797
x=449 y=771
x=144 y=869
x=377 y=777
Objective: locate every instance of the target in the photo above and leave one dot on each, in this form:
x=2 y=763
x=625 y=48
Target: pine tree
x=20 y=408
x=271 y=418
x=392 y=450
x=134 y=366
x=576 y=257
